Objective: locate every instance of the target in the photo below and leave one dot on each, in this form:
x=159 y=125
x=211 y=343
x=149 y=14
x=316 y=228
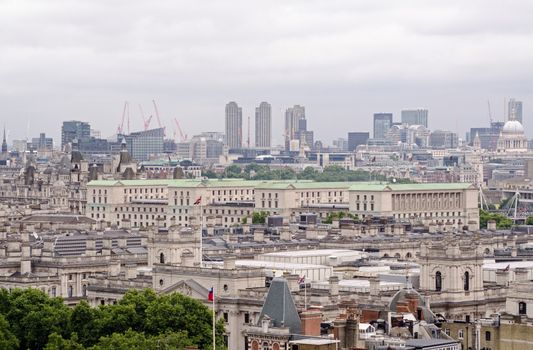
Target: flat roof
x=511 y=264
x=315 y=252
x=274 y=265
x=359 y=283
x=314 y=341
x=279 y=265
x=429 y=342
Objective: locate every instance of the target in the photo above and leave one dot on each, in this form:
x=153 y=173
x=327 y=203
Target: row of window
x=317 y=194
x=225 y=211
x=134 y=191
x=231 y=192
x=126 y=209
x=99 y=200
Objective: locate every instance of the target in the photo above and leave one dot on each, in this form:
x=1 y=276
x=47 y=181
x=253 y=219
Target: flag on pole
x=301 y=280
x=211 y=294
x=198 y=201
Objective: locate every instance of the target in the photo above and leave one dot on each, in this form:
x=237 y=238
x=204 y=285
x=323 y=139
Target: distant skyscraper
x=293 y=116
x=263 y=125
x=143 y=144
x=515 y=107
x=42 y=143
x=443 y=139
x=382 y=124
x=415 y=117
x=233 y=125
x=74 y=130
x=357 y=138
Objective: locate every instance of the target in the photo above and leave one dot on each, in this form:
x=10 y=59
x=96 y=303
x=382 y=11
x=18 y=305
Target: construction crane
x=490 y=113
x=147 y=122
x=158 y=119
x=183 y=137
x=125 y=111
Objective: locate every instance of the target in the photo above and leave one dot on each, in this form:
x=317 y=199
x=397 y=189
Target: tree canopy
x=339 y=215
x=502 y=221
x=331 y=173
x=29 y=319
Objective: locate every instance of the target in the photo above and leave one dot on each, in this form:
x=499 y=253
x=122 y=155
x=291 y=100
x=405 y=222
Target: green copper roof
x=284 y=184
x=177 y=183
x=411 y=187
x=304 y=184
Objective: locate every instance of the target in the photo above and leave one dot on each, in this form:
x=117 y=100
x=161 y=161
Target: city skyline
x=86 y=66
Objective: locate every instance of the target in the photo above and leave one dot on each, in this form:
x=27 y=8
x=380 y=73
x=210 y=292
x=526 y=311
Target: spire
x=4 y=141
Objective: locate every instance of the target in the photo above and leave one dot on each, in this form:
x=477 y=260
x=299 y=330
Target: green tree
x=116 y=318
x=210 y=174
x=339 y=215
x=57 y=342
x=33 y=316
x=502 y=221
x=139 y=300
x=309 y=173
x=529 y=220
x=86 y=322
x=8 y=341
x=132 y=340
x=233 y=171
x=29 y=319
x=176 y=311
x=259 y=217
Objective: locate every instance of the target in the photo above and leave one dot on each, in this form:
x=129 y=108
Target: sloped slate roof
x=279 y=307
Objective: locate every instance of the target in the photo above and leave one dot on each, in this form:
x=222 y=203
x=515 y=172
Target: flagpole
x=305 y=296
x=201 y=231
x=214 y=319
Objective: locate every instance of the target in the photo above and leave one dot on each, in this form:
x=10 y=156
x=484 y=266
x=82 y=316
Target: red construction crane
x=147 y=122
x=120 y=128
x=157 y=116
x=183 y=137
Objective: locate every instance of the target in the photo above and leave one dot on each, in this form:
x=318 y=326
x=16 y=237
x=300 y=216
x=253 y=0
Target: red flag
x=198 y=201
x=211 y=294
x=301 y=280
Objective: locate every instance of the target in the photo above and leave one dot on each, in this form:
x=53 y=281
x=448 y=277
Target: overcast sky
x=342 y=60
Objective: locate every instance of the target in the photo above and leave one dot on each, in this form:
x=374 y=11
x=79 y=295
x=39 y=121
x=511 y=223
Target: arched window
x=438 y=281
x=265 y=346
x=409 y=255
x=466 y=281
x=460 y=334
x=69 y=291
x=255 y=345
x=84 y=290
x=161 y=258
x=522 y=308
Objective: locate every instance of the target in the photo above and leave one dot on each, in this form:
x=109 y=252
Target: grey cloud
x=342 y=59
